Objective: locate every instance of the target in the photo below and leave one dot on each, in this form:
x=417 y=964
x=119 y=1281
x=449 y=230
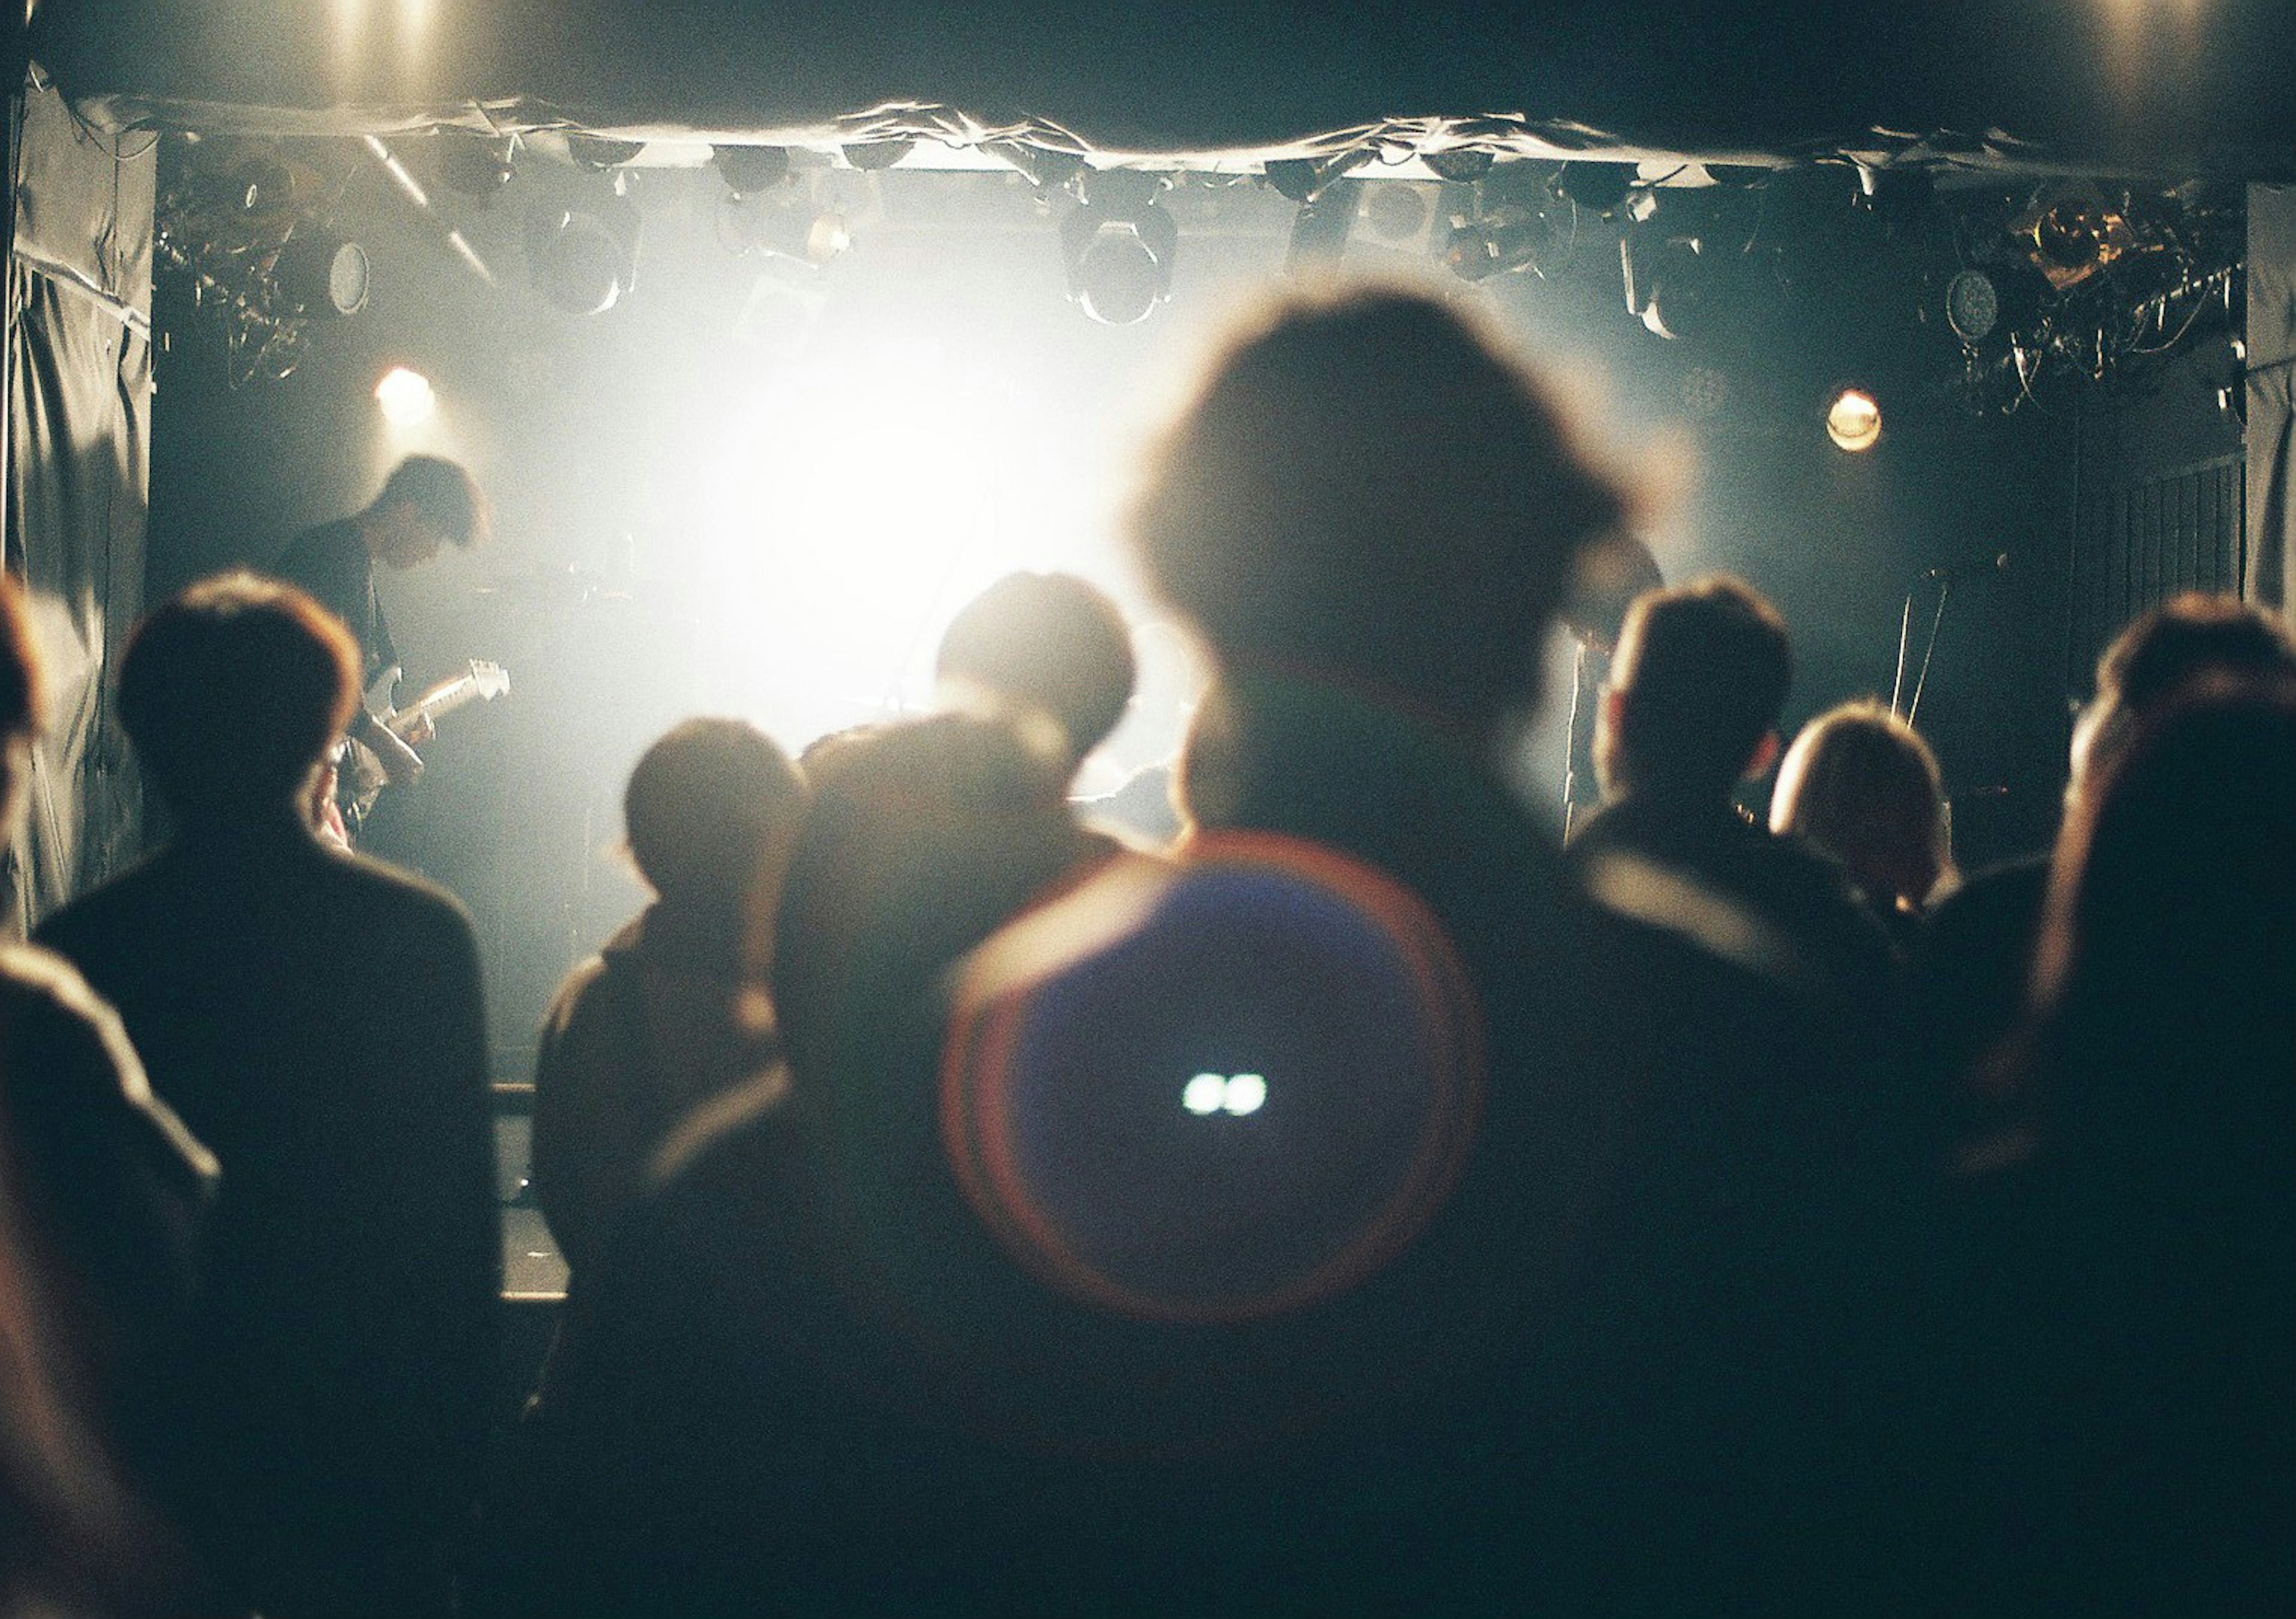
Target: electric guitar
x=362 y=779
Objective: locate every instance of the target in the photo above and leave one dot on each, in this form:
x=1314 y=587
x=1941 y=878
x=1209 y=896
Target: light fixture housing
x=1118 y=247
x=321 y=274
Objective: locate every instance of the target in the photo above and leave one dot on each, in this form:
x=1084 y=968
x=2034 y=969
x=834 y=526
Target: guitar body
x=359 y=775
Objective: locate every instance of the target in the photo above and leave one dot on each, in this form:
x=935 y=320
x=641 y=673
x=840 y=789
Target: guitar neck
x=433 y=704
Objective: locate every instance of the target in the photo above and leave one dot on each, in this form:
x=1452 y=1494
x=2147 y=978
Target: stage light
x=1682 y=296
x=1118 y=247
x=877 y=154
x=1972 y=306
x=2073 y=237
x=474 y=164
x=1894 y=195
x=1395 y=212
x=405 y=396
x=320 y=274
x=597 y=153
x=1601 y=187
x=1457 y=166
x=794 y=229
x=1508 y=237
x=1042 y=167
x=1319 y=230
x=748 y=170
x=1854 y=420
x=580 y=263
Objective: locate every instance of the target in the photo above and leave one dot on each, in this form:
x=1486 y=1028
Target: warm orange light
x=1854 y=420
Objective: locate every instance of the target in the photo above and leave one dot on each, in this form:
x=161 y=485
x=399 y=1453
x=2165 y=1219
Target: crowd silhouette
x=1357 y=1205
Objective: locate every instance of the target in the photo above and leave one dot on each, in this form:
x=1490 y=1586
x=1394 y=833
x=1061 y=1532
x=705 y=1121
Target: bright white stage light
x=405 y=396
x=1854 y=420
x=849 y=499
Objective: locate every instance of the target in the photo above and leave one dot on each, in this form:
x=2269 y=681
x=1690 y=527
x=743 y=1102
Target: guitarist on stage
x=426 y=504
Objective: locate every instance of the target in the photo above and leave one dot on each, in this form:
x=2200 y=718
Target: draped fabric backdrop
x=79 y=413
x=2271 y=434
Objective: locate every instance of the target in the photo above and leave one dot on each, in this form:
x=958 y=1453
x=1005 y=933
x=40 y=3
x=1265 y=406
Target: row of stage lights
x=2076 y=280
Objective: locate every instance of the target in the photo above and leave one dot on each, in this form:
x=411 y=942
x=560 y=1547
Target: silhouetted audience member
x=316 y=1018
x=675 y=1010
x=100 y=1193
x=1974 y=973
x=2129 y=1314
x=926 y=835
x=810 y=1378
x=1861 y=786
x=1697 y=686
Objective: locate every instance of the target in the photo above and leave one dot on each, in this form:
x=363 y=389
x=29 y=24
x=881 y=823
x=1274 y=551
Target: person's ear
x=1765 y=755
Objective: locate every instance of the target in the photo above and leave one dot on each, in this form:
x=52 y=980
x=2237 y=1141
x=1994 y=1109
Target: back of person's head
x=2170 y=940
x=710 y=803
x=1365 y=484
x=1699 y=681
x=1047 y=642
x=21 y=698
x=442 y=493
x=2190 y=635
x=1862 y=785
x=230 y=692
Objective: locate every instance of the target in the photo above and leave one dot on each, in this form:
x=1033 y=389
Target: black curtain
x=2271 y=433
x=80 y=412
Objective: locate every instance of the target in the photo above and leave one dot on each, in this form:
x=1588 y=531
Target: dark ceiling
x=2160 y=87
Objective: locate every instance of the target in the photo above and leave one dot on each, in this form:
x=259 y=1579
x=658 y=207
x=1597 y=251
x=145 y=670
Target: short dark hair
x=443 y=493
x=703 y=803
x=1703 y=670
x=22 y=697
x=2193 y=634
x=232 y=690
x=1050 y=640
x=1368 y=484
x=2162 y=653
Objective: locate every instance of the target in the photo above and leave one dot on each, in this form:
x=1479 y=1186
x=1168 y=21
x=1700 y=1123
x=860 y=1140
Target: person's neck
x=245 y=823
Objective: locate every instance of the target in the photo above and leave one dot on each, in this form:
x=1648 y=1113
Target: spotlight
x=1854 y=420
x=1972 y=306
x=1674 y=289
x=596 y=153
x=2074 y=237
x=794 y=229
x=748 y=170
x=877 y=154
x=405 y=396
x=1895 y=195
x=1304 y=179
x=1601 y=187
x=1319 y=230
x=474 y=164
x=1042 y=167
x=1118 y=247
x=319 y=272
x=1395 y=212
x=1457 y=166
x=1509 y=236
x=581 y=264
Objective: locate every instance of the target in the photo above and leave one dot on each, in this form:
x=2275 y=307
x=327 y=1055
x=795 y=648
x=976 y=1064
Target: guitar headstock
x=490 y=678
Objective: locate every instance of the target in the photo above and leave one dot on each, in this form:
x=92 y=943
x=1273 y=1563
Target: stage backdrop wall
x=79 y=407
x=2271 y=433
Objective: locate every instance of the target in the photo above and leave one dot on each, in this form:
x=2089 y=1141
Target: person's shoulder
x=397 y=908
x=36 y=979
x=324 y=542
x=101 y=915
